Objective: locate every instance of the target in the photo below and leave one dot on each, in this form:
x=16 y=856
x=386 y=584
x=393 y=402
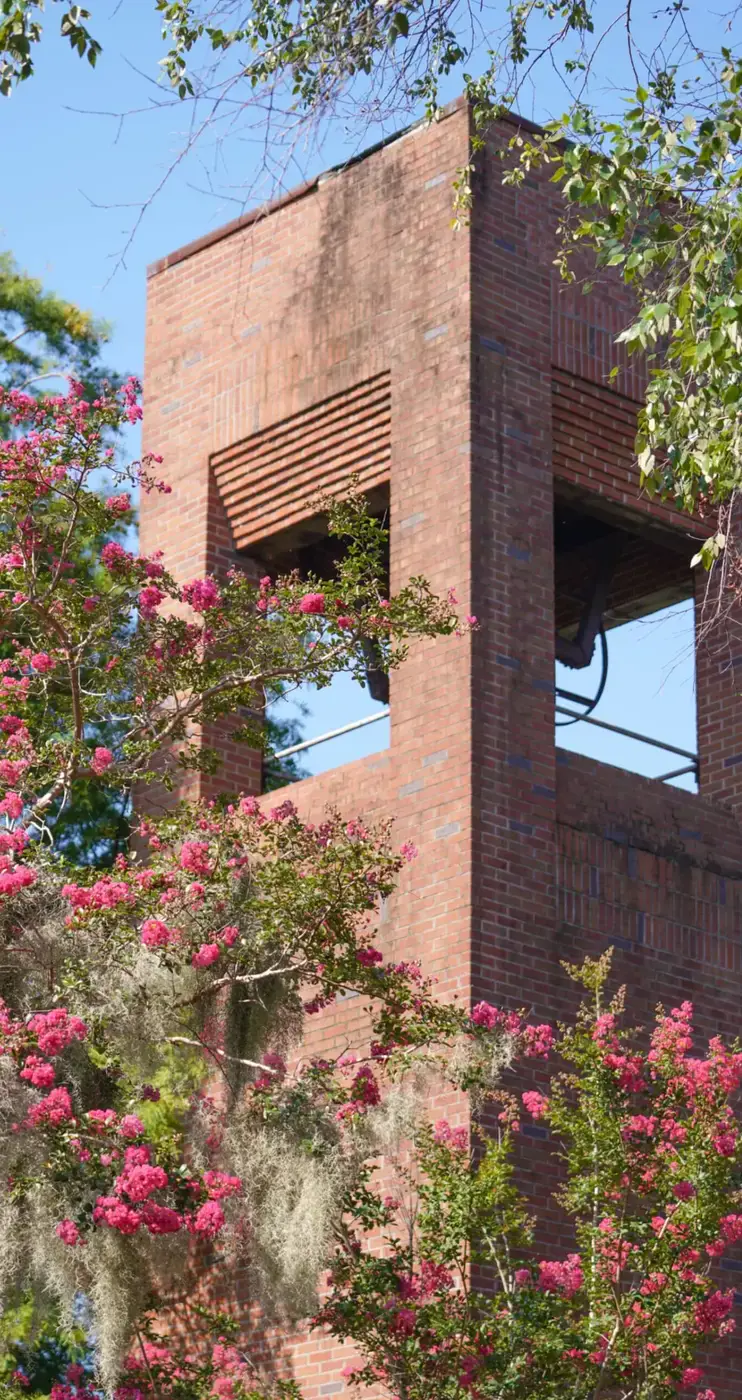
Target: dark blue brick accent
x=519 y=760
x=532 y=1130
x=614 y=833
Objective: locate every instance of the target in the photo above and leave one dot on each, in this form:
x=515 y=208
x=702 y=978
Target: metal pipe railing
x=677 y=773
x=642 y=739
x=331 y=734
x=692 y=767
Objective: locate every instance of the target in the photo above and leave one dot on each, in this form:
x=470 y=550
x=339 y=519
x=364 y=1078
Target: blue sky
x=74 y=189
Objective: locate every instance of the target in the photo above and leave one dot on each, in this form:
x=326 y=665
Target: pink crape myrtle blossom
x=202 y=594
x=68 y=1233
x=120 y=503
x=101 y=760
x=312 y=603
x=206 y=955
x=536 y=1103
x=157 y=934
x=565 y=1277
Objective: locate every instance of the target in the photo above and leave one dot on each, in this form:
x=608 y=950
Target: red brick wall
x=585 y=327
x=527 y=855
x=718 y=681
x=594 y=430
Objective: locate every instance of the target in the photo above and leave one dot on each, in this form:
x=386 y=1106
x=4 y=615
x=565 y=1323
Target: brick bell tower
x=347 y=328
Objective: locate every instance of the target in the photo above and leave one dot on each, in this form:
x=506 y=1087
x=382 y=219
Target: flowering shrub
x=218 y=1371
x=200 y=651
x=148 y=1010
x=461 y=1299
x=149 y=1097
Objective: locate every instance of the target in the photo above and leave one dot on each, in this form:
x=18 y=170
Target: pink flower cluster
x=561 y=1276
x=535 y=1103
x=220 y=1185
x=489 y=1017
x=401 y=1320
x=12 y=805
x=13 y=559
x=234 y=1373
x=105 y=893
x=115 y=558
x=119 y=504
x=76 y=1387
x=203 y=594
x=54 y=1110
x=206 y=955
x=130 y=1206
x=711 y=1316
x=194 y=857
x=68 y=1233
x=672 y=1036
x=139 y=1178
x=56 y=1029
x=209 y=953
x=15 y=878
x=535 y=1040
x=432 y=1278
x=455 y=1138
x=312 y=603
x=639 y=1125
x=152 y=1368
x=149 y=600
x=130 y=392
x=157 y=934
x=368 y=957
x=273 y=1072
x=38 y=1072
x=364 y=1093
x=43 y=662
x=538 y=1041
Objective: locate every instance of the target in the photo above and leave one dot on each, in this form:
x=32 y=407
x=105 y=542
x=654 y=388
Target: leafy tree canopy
x=43 y=336
x=651 y=172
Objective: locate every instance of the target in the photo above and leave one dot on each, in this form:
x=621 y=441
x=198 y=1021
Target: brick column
x=514 y=800
x=719 y=692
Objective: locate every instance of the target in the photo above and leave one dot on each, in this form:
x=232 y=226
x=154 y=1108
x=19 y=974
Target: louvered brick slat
x=353 y=403
x=267 y=481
